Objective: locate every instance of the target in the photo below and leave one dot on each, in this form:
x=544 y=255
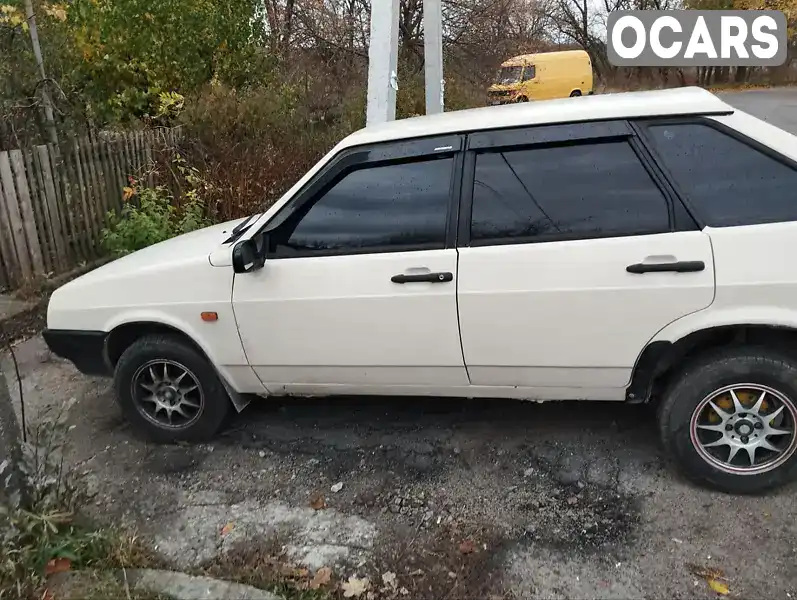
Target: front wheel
x=169 y=391
x=522 y=99
x=730 y=420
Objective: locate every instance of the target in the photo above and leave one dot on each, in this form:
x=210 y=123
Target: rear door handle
x=683 y=266
x=441 y=277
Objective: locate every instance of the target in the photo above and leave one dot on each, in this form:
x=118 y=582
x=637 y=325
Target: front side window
x=728 y=182
x=391 y=207
x=528 y=73
x=587 y=190
x=508 y=75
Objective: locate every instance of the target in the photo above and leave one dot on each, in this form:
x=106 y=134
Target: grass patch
x=41 y=533
x=264 y=565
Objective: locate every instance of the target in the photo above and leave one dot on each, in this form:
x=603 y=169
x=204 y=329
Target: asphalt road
x=777 y=106
x=561 y=500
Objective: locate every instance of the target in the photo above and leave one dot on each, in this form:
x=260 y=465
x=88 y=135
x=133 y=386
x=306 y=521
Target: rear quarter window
x=728 y=182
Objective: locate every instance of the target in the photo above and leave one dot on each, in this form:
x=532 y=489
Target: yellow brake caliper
x=748 y=399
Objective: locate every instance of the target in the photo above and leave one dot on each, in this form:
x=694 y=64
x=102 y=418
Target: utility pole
x=37 y=53
x=433 y=56
x=382 y=62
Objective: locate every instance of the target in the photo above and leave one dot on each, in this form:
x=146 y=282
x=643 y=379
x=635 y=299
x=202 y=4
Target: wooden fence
x=54 y=200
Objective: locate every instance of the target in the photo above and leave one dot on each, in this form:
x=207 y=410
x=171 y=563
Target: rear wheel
x=730 y=420
x=168 y=391
x=575 y=93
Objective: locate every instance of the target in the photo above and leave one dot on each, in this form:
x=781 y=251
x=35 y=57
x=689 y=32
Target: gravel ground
x=457 y=498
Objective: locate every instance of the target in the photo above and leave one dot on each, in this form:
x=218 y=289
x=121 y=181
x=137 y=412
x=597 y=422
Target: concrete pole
x=383 y=62
x=10 y=452
x=433 y=55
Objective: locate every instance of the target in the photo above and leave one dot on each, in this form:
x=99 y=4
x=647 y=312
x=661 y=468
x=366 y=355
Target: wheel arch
x=123 y=335
x=661 y=359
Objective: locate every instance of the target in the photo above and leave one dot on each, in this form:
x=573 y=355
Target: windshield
x=508 y=75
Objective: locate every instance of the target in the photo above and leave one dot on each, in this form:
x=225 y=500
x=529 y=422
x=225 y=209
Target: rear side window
x=728 y=182
x=374 y=209
x=597 y=189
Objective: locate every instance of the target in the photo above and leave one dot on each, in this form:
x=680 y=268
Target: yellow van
x=542 y=76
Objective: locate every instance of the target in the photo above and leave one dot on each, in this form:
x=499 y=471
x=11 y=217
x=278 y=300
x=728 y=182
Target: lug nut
x=745 y=439
x=729 y=428
x=759 y=425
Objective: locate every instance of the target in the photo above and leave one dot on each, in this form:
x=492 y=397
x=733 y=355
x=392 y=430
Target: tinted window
x=586 y=190
x=528 y=73
x=397 y=206
x=729 y=182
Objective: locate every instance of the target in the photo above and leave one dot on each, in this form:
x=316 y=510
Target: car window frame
x=370 y=156
x=646 y=138
x=526 y=138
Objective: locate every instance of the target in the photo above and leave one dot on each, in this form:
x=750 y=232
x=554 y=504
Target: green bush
x=150 y=216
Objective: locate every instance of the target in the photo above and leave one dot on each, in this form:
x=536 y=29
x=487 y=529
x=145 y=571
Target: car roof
x=622 y=105
x=555 y=55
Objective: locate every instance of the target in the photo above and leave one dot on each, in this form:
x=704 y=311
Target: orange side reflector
x=210 y=316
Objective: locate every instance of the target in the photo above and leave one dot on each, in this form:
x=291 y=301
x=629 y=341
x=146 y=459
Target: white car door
x=358 y=291
x=573 y=255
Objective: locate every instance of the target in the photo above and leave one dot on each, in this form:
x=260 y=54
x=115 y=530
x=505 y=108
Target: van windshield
x=508 y=75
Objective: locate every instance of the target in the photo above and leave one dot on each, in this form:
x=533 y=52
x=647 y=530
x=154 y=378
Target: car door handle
x=682 y=266
x=441 y=277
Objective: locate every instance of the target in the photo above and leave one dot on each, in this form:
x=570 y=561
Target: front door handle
x=441 y=277
x=683 y=266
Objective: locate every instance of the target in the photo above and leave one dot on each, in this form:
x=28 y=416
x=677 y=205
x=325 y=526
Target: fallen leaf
x=317 y=502
x=404 y=591
x=127 y=193
x=321 y=578
x=227 y=528
x=337 y=487
x=389 y=579
x=57 y=565
x=718 y=586
x=47 y=595
x=354 y=587
x=467 y=547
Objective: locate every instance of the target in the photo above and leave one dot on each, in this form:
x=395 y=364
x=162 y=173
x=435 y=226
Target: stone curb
x=188 y=587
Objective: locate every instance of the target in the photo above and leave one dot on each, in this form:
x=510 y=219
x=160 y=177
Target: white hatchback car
x=626 y=247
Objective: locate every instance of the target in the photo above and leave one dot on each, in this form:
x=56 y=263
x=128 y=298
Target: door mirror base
x=246 y=257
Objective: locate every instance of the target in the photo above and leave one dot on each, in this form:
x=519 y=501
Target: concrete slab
x=11 y=306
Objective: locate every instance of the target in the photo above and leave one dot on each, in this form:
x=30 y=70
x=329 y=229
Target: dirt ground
x=457 y=498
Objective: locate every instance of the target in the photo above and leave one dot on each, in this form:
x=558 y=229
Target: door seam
x=459 y=321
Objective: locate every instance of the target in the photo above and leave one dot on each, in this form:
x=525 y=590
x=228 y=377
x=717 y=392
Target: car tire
x=161 y=379
x=701 y=439
x=575 y=93
x=521 y=99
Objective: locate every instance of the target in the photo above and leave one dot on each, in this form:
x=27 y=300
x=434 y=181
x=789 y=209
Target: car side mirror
x=246 y=257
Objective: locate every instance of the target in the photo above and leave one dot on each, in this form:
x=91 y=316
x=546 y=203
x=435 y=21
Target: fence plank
x=148 y=143
x=63 y=193
x=36 y=185
x=126 y=167
x=121 y=182
x=89 y=226
x=113 y=181
x=80 y=229
x=26 y=210
x=53 y=220
x=103 y=183
x=96 y=193
x=7 y=243
x=9 y=193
